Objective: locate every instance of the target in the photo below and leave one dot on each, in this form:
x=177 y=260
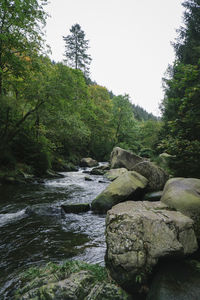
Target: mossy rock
x=72 y=280
x=183 y=194
x=129 y=185
x=76 y=208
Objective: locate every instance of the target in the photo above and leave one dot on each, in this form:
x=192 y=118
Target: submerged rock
x=183 y=194
x=130 y=185
x=139 y=234
x=71 y=280
x=121 y=158
x=88 y=162
x=76 y=208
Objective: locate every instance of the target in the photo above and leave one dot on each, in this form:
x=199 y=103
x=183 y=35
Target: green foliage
x=76 y=47
x=181 y=106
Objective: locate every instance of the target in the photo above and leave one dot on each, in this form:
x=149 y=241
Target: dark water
x=34 y=230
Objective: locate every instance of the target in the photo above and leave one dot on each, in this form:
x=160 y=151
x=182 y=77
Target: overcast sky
x=129 y=42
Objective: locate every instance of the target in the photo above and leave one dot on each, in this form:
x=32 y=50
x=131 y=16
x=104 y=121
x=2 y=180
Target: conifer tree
x=76 y=47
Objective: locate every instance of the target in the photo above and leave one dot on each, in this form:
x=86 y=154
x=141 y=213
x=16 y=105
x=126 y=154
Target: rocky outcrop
x=139 y=234
x=112 y=174
x=183 y=194
x=130 y=185
x=156 y=176
x=121 y=158
x=88 y=162
x=71 y=280
x=76 y=208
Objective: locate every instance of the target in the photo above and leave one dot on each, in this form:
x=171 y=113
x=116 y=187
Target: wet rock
x=112 y=174
x=156 y=176
x=88 y=162
x=87 y=178
x=183 y=194
x=97 y=171
x=121 y=158
x=130 y=185
x=153 y=196
x=42 y=210
x=76 y=208
x=139 y=234
x=178 y=280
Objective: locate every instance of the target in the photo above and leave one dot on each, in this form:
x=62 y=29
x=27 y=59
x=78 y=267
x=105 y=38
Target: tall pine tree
x=76 y=47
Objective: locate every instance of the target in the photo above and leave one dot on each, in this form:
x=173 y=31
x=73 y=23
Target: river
x=34 y=230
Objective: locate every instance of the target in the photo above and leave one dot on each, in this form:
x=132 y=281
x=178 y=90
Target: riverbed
x=34 y=230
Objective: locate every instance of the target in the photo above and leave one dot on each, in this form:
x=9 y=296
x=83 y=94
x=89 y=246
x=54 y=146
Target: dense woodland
x=53 y=113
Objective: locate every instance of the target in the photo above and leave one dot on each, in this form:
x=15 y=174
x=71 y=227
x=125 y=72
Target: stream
x=34 y=230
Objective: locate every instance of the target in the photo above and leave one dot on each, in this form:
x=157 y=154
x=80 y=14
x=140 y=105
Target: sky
x=129 y=40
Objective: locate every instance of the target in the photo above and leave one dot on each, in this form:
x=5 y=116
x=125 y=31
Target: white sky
x=129 y=42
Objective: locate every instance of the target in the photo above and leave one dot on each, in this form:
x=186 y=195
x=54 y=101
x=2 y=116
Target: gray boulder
x=112 y=174
x=156 y=176
x=129 y=185
x=88 y=162
x=139 y=234
x=121 y=158
x=183 y=194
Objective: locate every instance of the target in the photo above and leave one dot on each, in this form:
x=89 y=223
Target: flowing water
x=34 y=230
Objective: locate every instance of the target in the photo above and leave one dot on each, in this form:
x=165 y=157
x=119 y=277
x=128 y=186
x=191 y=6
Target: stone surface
x=178 y=280
x=139 y=234
x=129 y=185
x=112 y=174
x=88 y=162
x=76 y=208
x=121 y=158
x=156 y=176
x=71 y=281
x=183 y=194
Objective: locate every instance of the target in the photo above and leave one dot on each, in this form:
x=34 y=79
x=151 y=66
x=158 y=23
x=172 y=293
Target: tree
x=20 y=36
x=76 y=47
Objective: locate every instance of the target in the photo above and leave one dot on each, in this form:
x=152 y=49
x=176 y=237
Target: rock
x=76 y=208
x=139 y=234
x=52 y=174
x=71 y=280
x=178 y=280
x=129 y=185
x=87 y=178
x=166 y=158
x=156 y=176
x=153 y=196
x=112 y=174
x=88 y=162
x=121 y=158
x=97 y=171
x=183 y=194
x=42 y=210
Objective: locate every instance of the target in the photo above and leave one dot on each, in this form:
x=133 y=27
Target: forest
x=53 y=114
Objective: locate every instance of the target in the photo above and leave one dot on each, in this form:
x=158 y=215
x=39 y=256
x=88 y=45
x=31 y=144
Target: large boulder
x=88 y=162
x=121 y=158
x=183 y=194
x=112 y=174
x=156 y=176
x=139 y=234
x=129 y=185
x=71 y=280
